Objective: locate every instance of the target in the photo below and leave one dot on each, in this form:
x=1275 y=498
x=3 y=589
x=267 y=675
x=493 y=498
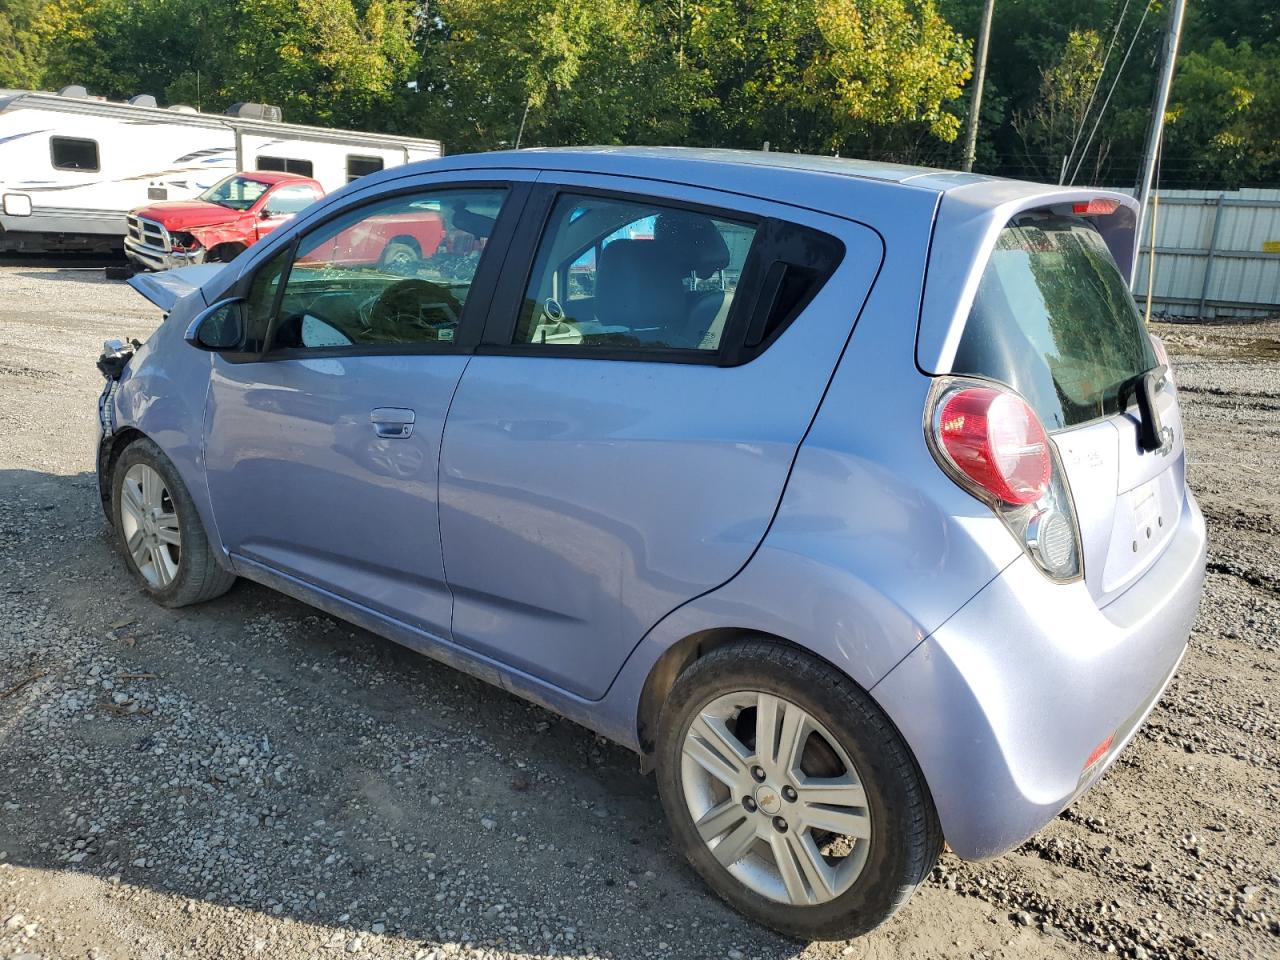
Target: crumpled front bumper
x=151 y=257
x=1017 y=703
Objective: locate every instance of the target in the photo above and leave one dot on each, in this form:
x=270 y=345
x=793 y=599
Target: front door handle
x=392 y=423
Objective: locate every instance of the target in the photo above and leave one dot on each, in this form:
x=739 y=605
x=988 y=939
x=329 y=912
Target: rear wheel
x=791 y=793
x=164 y=542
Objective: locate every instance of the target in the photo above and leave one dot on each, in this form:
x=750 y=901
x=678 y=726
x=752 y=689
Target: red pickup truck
x=237 y=212
x=214 y=227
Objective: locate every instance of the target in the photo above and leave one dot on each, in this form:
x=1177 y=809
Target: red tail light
x=1099 y=206
x=997 y=441
x=991 y=442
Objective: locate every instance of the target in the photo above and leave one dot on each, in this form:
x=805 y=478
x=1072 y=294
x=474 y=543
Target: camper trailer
x=72 y=166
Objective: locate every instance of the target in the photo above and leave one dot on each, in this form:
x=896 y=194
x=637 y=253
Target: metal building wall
x=1217 y=254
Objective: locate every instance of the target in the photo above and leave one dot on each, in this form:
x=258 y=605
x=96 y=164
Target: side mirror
x=218 y=328
x=265 y=214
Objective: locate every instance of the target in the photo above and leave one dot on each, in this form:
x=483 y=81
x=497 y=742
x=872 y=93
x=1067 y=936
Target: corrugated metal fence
x=1217 y=254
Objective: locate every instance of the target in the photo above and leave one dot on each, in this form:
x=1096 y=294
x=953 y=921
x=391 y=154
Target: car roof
x=758 y=171
x=670 y=160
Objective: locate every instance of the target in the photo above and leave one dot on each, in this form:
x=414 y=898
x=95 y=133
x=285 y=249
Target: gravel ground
x=252 y=778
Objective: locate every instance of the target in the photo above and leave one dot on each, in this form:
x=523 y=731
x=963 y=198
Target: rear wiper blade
x=1145 y=386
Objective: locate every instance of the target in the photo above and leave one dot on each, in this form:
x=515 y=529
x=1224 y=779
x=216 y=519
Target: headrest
x=700 y=246
x=638 y=283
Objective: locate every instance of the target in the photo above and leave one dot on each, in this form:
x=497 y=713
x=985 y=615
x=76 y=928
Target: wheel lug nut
x=749 y=804
x=779 y=824
x=789 y=794
x=757 y=773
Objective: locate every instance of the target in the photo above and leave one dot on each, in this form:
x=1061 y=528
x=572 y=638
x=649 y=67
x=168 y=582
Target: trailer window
x=73 y=153
x=285 y=165
x=362 y=166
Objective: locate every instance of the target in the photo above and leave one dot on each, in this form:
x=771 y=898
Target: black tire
x=906 y=838
x=400 y=257
x=199 y=576
x=225 y=252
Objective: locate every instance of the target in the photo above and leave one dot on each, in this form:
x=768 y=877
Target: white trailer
x=72 y=166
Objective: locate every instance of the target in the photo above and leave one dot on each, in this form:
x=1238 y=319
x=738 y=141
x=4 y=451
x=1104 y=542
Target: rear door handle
x=392 y=423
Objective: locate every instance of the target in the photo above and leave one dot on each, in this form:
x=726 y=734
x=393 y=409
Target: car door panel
x=302 y=482
x=583 y=499
x=322 y=459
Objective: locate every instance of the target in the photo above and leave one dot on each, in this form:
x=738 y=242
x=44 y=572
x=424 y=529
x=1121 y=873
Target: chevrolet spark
x=850 y=496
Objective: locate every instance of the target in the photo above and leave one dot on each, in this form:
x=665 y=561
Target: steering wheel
x=412 y=305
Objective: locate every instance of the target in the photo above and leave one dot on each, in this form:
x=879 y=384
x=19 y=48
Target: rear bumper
x=1005 y=703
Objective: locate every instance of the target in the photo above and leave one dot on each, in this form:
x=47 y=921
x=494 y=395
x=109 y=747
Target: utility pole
x=1156 y=130
x=979 y=76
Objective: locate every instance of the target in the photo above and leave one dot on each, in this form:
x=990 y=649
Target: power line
x=1084 y=117
x=1114 y=83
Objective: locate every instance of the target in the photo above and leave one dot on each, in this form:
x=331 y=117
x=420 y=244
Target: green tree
x=563 y=71
x=323 y=61
x=1055 y=125
x=1224 y=117
x=21 y=46
x=827 y=75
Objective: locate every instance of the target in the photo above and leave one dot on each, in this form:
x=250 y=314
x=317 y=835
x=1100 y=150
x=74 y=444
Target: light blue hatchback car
x=851 y=496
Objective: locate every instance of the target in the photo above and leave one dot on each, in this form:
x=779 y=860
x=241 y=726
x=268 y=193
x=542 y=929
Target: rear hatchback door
x=1052 y=317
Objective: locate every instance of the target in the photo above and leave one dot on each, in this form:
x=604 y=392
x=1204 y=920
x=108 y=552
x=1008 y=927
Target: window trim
x=474 y=310
x=504 y=314
x=97 y=154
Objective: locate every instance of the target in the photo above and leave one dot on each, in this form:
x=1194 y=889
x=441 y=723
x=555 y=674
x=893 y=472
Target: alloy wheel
x=775 y=798
x=149 y=522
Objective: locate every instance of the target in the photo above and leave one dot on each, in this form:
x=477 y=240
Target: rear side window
x=617 y=274
x=623 y=277
x=1054 y=319
x=73 y=153
x=290 y=200
x=286 y=165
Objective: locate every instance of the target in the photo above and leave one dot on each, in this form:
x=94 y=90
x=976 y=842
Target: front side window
x=74 y=153
x=620 y=274
x=1054 y=319
x=287 y=201
x=296 y=165
x=235 y=192
x=390 y=273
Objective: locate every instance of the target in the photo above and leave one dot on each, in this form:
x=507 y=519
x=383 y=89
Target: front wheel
x=164 y=542
x=791 y=793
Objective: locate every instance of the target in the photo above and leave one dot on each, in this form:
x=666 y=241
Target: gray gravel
x=252 y=778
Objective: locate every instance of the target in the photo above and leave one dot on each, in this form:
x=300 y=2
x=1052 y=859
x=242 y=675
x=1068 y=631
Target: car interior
x=622 y=274
x=331 y=300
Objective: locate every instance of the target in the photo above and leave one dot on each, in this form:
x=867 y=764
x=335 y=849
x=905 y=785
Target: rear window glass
x=1054 y=319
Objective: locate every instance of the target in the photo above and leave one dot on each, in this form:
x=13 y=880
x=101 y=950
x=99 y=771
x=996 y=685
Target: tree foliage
x=325 y=61
x=1057 y=122
x=1030 y=36
x=879 y=78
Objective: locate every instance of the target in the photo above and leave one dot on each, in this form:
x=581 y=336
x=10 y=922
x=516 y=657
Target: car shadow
x=254 y=754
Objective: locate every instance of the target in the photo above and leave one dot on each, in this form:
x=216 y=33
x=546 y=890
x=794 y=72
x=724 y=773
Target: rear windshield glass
x=1054 y=319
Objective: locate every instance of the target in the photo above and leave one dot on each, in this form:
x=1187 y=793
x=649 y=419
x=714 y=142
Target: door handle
x=392 y=423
